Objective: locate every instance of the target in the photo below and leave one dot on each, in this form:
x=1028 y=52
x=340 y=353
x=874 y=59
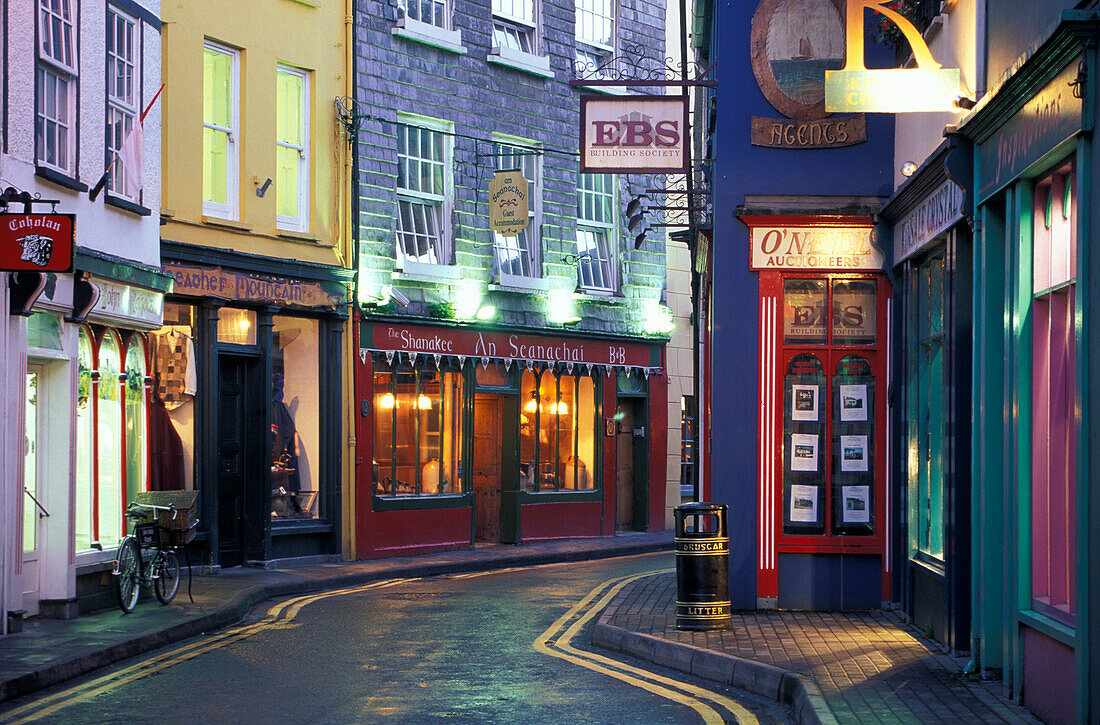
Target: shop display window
x=172 y=401
x=296 y=418
x=1053 y=397
x=418 y=429
x=85 y=442
x=557 y=432
x=109 y=442
x=236 y=326
x=136 y=440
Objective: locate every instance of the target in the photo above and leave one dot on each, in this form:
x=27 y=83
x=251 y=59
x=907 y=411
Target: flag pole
x=103 y=179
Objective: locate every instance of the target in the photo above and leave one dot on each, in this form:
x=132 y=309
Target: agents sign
x=508 y=208
x=36 y=242
x=634 y=134
x=928 y=87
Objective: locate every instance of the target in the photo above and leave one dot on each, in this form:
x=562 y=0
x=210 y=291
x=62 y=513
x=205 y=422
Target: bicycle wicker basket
x=178 y=527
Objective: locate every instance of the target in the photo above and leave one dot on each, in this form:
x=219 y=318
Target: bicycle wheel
x=127 y=583
x=167 y=582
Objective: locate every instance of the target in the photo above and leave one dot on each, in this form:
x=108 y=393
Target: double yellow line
x=556 y=641
x=280 y=616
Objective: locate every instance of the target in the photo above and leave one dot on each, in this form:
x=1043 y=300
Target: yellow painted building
x=255 y=205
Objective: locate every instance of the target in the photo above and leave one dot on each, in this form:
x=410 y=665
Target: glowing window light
x=424 y=402
x=387 y=402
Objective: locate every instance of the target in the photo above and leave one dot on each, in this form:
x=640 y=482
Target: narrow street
x=494 y=647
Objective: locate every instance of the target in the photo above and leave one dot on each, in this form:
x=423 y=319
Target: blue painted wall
x=742 y=169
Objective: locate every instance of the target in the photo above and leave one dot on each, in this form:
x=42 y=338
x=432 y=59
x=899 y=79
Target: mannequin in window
x=284 y=446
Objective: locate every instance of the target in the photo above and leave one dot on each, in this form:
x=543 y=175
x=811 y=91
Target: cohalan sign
x=509 y=212
x=634 y=134
x=36 y=242
x=928 y=87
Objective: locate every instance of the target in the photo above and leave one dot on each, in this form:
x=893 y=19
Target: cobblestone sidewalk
x=858 y=667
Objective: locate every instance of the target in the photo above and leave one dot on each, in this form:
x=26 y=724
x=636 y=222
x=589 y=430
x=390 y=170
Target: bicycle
x=158 y=569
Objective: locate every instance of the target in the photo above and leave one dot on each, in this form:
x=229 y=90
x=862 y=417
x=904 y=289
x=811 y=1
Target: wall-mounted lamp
x=963 y=103
x=261 y=190
x=908 y=169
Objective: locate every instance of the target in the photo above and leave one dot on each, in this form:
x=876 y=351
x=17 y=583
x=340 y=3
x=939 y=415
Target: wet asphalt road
x=452 y=649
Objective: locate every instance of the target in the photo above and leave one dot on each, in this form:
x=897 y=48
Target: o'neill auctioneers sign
x=634 y=134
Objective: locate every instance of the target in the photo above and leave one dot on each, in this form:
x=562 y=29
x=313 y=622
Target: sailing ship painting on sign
x=805 y=38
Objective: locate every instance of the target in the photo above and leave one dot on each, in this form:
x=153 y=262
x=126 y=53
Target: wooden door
x=237 y=458
x=624 y=466
x=487 y=467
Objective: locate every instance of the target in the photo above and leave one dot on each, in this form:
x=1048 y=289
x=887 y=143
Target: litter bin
x=702 y=567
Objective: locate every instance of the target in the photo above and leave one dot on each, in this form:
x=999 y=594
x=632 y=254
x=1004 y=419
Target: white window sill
x=596 y=295
x=517 y=283
x=449 y=40
x=536 y=65
x=425 y=272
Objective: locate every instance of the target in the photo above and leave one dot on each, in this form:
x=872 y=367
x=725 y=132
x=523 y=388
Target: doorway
x=240 y=454
x=33 y=513
x=631 y=471
x=488 y=467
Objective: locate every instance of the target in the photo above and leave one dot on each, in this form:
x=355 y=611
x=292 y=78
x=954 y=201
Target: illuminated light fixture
x=424 y=402
x=658 y=319
x=386 y=402
x=560 y=309
x=467 y=301
x=486 y=312
x=561 y=409
x=908 y=169
x=964 y=102
x=532 y=405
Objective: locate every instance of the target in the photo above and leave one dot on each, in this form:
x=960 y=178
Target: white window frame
x=444 y=248
x=438 y=31
x=509 y=146
x=299 y=223
x=607 y=230
x=62 y=69
x=231 y=208
x=120 y=108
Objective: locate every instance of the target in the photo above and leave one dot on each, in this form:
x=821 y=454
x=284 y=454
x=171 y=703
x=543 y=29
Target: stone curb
x=63 y=669
x=790 y=688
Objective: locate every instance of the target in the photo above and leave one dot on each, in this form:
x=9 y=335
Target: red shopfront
x=470 y=436
x=825 y=365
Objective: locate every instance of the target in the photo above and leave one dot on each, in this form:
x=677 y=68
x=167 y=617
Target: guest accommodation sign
x=634 y=134
x=853 y=88
x=36 y=242
x=478 y=344
x=1052 y=116
x=508 y=208
x=824 y=247
x=793 y=43
x=237 y=286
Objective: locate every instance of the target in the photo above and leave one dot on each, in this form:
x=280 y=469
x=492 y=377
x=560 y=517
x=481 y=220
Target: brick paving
x=870 y=667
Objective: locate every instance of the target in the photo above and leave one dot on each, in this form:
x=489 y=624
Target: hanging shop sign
x=936 y=214
x=1051 y=117
x=37 y=242
x=793 y=43
x=826 y=247
x=509 y=212
x=634 y=134
x=132 y=306
x=241 y=287
x=928 y=87
x=463 y=343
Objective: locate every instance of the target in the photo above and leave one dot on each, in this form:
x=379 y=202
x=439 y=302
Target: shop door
x=239 y=453
x=630 y=468
x=487 y=467
x=32 y=521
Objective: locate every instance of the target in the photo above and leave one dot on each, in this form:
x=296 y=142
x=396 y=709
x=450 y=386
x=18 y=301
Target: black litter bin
x=702 y=567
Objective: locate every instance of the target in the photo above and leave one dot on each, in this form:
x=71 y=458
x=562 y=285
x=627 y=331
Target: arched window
x=134 y=391
x=109 y=442
x=85 y=442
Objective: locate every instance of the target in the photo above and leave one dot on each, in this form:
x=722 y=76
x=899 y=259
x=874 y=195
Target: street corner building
x=511 y=382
